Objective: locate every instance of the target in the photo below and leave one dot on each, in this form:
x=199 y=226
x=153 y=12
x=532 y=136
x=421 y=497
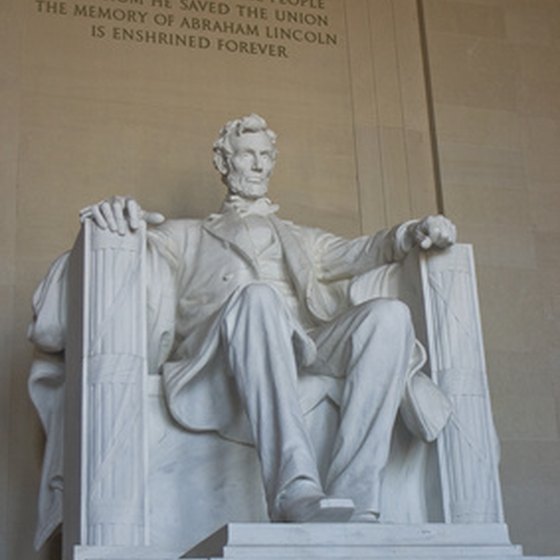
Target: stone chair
x=136 y=485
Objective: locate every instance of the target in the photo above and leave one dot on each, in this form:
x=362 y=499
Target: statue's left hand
x=433 y=231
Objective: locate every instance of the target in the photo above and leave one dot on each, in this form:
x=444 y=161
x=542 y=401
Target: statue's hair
x=250 y=123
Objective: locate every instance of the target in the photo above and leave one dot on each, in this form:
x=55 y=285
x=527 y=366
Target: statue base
x=345 y=541
x=356 y=540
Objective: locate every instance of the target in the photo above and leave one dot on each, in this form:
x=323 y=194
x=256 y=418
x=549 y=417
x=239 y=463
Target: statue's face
x=250 y=164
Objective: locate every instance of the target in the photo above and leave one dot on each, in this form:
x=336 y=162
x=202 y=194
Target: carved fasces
x=468 y=448
x=110 y=378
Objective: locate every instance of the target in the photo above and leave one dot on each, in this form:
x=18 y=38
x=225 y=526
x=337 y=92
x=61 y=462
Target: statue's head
x=244 y=154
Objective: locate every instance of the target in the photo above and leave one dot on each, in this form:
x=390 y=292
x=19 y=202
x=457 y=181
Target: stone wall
x=495 y=82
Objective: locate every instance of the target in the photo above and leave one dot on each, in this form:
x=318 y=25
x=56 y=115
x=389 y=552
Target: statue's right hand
x=119 y=213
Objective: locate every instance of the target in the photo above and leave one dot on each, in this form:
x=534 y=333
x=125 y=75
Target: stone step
x=433 y=557
x=342 y=541
x=283 y=541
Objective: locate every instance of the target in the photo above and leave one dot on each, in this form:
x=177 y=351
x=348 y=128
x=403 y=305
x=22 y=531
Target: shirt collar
x=244 y=207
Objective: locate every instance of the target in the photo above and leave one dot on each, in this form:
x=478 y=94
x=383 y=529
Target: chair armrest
x=105 y=432
x=440 y=288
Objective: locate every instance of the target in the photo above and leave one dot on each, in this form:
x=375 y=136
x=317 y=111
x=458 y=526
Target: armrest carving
x=468 y=449
x=106 y=376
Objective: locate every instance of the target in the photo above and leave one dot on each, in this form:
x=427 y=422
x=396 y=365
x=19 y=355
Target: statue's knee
x=391 y=315
x=259 y=294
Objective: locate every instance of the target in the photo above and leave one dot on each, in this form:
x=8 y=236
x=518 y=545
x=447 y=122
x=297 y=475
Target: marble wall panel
x=495 y=83
x=467 y=18
x=473 y=71
x=539 y=64
x=422 y=196
x=541 y=137
x=527 y=24
x=547 y=249
x=10 y=402
x=396 y=174
x=390 y=108
x=479 y=204
x=535 y=419
x=500 y=245
x=144 y=112
x=9 y=121
x=519 y=371
x=511 y=308
x=472 y=125
x=481 y=165
x=530 y=472
x=6 y=341
x=536 y=100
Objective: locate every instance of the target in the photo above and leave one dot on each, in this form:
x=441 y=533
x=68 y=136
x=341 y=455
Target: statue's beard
x=246 y=189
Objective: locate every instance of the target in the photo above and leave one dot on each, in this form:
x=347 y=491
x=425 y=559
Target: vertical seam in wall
x=434 y=145
x=353 y=111
x=376 y=104
x=401 y=104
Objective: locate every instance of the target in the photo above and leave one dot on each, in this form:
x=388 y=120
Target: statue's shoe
x=364 y=517
x=326 y=510
x=304 y=502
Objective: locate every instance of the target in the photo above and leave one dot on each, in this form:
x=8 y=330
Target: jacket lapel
x=297 y=261
x=302 y=272
x=229 y=228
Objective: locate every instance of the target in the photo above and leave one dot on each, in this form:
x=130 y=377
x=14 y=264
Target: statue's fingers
x=85 y=213
x=98 y=218
x=426 y=243
x=446 y=239
x=435 y=232
x=448 y=234
x=153 y=218
x=133 y=210
x=118 y=212
x=107 y=212
x=422 y=239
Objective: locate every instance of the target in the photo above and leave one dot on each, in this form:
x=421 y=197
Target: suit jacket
x=200 y=265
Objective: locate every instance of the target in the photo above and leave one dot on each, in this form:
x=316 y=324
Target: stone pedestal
x=245 y=540
x=357 y=541
x=343 y=541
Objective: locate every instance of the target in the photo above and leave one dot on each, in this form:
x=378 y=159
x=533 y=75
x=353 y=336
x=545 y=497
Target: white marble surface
x=142 y=474
x=348 y=541
x=239 y=540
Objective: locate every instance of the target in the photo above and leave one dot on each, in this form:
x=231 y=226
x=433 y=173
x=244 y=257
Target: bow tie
x=260 y=206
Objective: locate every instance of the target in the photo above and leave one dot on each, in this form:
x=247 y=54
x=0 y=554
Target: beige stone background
x=420 y=105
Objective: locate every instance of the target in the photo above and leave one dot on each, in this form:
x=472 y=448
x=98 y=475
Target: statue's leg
x=371 y=345
x=257 y=332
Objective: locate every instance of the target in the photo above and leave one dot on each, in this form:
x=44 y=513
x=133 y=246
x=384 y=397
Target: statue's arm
x=338 y=258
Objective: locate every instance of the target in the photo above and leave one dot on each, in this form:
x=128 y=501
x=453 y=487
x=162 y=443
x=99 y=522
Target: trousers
x=369 y=346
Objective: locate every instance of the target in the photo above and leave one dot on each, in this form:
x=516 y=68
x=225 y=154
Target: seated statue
x=248 y=315
x=254 y=316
